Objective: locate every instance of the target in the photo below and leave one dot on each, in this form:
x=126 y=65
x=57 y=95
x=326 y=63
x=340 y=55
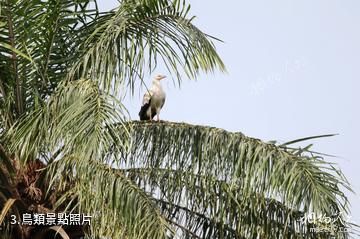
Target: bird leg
x=157 y=117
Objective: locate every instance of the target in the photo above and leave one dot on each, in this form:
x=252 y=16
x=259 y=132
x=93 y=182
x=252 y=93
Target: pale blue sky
x=293 y=71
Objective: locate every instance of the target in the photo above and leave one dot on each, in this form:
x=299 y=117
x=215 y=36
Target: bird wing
x=147 y=97
x=145 y=105
x=163 y=102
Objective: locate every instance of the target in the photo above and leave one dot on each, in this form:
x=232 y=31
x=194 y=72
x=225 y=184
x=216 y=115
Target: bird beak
x=162 y=77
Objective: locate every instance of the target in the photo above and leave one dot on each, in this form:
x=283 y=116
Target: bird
x=153 y=100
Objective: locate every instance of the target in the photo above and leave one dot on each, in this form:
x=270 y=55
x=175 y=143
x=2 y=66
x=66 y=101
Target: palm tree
x=66 y=145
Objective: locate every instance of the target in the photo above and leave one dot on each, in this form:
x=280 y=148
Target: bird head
x=159 y=77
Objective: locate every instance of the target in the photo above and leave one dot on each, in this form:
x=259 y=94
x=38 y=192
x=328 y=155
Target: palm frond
x=119 y=208
x=308 y=138
x=76 y=118
x=303 y=183
x=37 y=47
x=124 y=43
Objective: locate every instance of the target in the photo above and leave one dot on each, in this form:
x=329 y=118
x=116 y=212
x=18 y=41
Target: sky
x=293 y=70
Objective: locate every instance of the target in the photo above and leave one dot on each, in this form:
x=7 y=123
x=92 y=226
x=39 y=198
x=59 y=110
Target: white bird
x=153 y=100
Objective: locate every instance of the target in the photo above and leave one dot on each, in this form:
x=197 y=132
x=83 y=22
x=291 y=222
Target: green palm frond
x=123 y=43
x=77 y=117
x=185 y=162
x=204 y=207
x=37 y=49
x=120 y=209
x=307 y=138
